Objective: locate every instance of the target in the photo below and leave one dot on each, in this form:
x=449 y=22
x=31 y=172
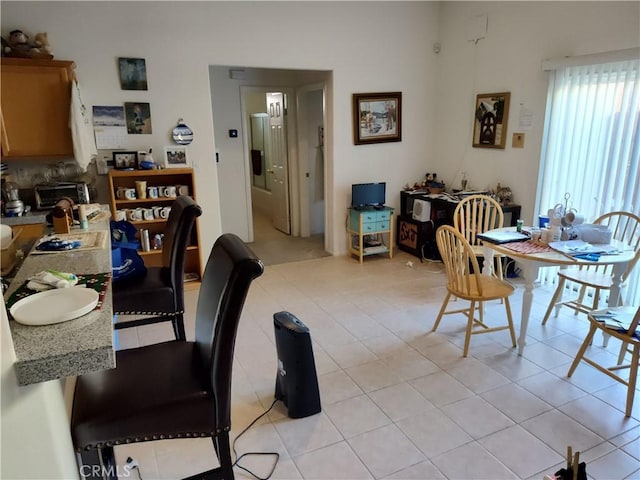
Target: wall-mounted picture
x=125 y=160
x=133 y=73
x=377 y=117
x=490 y=120
x=175 y=157
x=138 y=118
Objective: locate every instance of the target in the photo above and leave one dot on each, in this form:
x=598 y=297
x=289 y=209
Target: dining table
x=533 y=255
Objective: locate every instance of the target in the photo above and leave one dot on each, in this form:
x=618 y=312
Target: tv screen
x=368 y=194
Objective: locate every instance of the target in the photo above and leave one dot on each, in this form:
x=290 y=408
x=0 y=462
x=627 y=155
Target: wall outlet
x=518 y=140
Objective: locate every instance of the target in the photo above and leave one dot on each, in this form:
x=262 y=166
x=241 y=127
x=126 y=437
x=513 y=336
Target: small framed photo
x=176 y=157
x=491 y=114
x=377 y=117
x=125 y=160
x=133 y=73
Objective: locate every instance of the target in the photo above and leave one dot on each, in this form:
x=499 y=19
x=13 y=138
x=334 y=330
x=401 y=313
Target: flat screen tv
x=365 y=195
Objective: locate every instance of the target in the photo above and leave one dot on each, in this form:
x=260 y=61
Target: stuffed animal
x=41 y=43
x=18 y=44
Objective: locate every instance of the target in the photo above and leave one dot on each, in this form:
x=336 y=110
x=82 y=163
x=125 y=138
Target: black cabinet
x=418 y=238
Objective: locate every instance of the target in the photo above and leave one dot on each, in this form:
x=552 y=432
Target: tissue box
x=593 y=233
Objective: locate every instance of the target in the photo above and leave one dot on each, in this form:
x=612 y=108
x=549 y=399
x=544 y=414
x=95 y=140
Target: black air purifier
x=296 y=380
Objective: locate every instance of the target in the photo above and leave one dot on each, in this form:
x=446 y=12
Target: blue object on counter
x=57 y=244
x=592 y=257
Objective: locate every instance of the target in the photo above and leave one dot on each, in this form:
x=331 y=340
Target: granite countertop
x=70 y=348
x=26 y=219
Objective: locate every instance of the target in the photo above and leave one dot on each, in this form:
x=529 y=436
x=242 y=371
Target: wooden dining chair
x=630 y=339
x=625 y=227
x=465 y=281
x=477 y=214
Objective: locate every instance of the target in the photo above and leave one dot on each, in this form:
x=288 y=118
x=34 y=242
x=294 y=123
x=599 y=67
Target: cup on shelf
x=141 y=188
x=152 y=192
x=147 y=213
x=134 y=214
x=169 y=191
x=164 y=213
x=157 y=211
x=125 y=193
x=121 y=215
x=182 y=189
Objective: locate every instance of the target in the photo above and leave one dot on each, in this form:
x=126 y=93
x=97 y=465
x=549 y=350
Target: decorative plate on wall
x=182 y=134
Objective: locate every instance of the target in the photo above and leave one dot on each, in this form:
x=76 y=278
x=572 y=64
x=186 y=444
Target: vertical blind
x=591 y=145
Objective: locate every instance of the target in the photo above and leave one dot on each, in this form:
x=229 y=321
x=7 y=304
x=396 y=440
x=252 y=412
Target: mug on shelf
x=121 y=215
x=152 y=192
x=147 y=213
x=169 y=191
x=125 y=193
x=157 y=211
x=164 y=213
x=182 y=189
x=134 y=214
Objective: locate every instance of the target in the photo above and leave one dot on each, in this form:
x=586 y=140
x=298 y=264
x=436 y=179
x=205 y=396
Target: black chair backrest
x=231 y=268
x=176 y=240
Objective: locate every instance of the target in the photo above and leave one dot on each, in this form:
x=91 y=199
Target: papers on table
x=502 y=237
x=577 y=248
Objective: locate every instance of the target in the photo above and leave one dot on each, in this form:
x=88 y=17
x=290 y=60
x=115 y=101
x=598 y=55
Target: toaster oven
x=48 y=195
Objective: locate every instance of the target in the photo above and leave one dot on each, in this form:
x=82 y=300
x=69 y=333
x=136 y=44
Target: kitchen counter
x=26 y=219
x=70 y=348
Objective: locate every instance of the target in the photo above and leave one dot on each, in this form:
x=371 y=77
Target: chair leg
x=223 y=449
x=442 y=309
x=633 y=376
x=580 y=300
x=557 y=296
x=583 y=348
x=97 y=464
x=467 y=335
x=178 y=327
x=512 y=331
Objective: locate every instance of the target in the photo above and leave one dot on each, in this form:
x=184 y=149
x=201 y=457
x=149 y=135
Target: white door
x=278 y=162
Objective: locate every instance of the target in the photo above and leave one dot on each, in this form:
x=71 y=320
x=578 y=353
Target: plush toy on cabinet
x=18 y=44
x=41 y=44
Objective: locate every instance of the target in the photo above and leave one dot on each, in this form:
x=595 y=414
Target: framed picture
x=138 y=117
x=490 y=120
x=125 y=160
x=175 y=157
x=133 y=73
x=377 y=117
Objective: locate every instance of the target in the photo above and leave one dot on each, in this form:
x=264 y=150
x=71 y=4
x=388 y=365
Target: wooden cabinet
x=370 y=232
x=156 y=178
x=36 y=100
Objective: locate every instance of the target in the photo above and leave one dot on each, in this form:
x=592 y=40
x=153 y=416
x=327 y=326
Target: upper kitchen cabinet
x=36 y=99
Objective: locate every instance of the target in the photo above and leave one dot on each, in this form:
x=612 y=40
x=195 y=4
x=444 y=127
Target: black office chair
x=159 y=295
x=176 y=389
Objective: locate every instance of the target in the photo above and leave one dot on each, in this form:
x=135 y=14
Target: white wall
x=369 y=48
x=519 y=36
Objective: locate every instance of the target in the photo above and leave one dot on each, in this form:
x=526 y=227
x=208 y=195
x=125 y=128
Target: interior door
x=278 y=162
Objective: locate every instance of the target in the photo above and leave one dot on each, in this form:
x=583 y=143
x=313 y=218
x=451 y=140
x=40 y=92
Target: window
x=591 y=144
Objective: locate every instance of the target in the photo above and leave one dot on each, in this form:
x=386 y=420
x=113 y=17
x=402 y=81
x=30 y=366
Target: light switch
x=518 y=140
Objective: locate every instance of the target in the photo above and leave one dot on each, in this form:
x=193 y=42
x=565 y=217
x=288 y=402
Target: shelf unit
x=376 y=223
x=166 y=177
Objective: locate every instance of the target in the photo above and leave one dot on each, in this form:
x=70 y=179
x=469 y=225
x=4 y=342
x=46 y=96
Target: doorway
x=285 y=133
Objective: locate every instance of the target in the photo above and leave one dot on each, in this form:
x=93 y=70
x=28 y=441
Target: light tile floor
x=399 y=401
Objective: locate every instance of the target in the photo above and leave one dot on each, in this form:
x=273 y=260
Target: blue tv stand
x=377 y=224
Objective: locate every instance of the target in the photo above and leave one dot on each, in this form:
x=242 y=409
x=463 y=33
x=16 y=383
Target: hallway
x=274 y=247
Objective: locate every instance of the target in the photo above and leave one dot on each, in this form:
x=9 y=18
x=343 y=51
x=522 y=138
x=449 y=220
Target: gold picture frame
x=490 y=119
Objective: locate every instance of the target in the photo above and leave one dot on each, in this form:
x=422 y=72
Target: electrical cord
x=238 y=458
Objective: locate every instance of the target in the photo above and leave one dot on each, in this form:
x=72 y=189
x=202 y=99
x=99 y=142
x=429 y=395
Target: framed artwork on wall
x=490 y=120
x=138 y=118
x=175 y=157
x=377 y=117
x=133 y=73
